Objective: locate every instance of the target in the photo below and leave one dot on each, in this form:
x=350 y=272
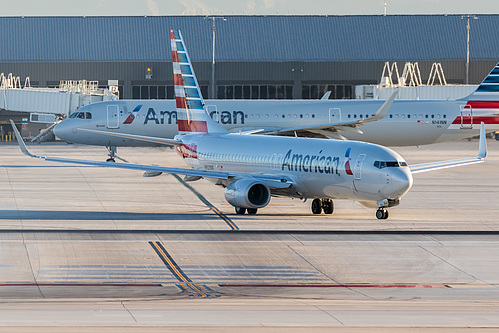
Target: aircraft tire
x=327 y=206
x=240 y=210
x=316 y=206
x=252 y=211
x=380 y=214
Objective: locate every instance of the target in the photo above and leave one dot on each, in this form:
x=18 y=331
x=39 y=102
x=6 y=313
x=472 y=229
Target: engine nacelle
x=247 y=193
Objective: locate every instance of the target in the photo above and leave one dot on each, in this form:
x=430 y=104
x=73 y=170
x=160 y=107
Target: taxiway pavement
x=85 y=247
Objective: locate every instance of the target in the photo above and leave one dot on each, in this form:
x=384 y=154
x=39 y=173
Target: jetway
x=46 y=106
x=64 y=100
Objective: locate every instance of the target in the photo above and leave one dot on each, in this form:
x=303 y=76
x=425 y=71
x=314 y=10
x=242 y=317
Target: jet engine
x=247 y=193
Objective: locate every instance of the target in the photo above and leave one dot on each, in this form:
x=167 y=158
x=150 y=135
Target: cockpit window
x=389 y=164
x=81 y=115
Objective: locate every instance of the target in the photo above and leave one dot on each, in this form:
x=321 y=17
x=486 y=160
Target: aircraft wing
x=482 y=154
x=330 y=130
x=272 y=181
x=161 y=141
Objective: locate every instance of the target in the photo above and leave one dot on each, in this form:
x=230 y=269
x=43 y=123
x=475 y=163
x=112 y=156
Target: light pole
x=468 y=43
x=385 y=7
x=212 y=83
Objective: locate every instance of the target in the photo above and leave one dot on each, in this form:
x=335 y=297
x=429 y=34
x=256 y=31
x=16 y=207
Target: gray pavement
x=86 y=247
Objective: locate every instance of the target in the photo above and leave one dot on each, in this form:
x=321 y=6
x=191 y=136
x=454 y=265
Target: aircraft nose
x=63 y=130
x=399 y=183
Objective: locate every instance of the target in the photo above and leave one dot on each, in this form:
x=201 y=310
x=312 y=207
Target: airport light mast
x=212 y=83
x=468 y=27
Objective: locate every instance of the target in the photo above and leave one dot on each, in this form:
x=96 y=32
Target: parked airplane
x=252 y=168
x=407 y=123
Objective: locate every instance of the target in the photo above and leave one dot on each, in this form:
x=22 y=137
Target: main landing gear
x=242 y=211
x=382 y=214
x=112 y=153
x=319 y=205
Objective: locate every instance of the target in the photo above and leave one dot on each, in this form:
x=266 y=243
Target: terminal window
x=316 y=91
x=158 y=92
x=255 y=91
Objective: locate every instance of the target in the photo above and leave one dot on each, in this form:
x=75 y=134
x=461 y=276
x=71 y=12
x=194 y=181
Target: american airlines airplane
x=407 y=123
x=252 y=168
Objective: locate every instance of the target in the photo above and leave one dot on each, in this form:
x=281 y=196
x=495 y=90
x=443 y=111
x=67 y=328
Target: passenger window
x=408 y=116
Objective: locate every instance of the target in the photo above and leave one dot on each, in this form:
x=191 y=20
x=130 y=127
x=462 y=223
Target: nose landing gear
x=381 y=214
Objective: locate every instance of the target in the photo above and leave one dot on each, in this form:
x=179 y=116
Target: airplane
x=407 y=122
x=253 y=168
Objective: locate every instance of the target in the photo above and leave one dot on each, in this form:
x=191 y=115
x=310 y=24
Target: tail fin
x=486 y=96
x=191 y=112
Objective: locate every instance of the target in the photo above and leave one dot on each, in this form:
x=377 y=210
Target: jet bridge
x=63 y=100
x=48 y=105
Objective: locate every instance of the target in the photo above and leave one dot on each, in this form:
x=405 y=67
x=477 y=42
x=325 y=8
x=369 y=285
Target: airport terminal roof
x=249 y=38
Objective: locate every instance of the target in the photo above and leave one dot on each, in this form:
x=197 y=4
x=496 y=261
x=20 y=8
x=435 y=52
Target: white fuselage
x=319 y=168
x=408 y=122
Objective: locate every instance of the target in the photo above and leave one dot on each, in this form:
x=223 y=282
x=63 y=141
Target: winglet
x=384 y=109
x=326 y=95
x=482 y=148
x=20 y=141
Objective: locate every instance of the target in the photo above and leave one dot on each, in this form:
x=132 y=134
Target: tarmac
x=95 y=249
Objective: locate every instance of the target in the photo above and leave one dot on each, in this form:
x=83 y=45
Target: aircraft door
x=213 y=112
x=466 y=116
x=357 y=172
x=334 y=115
x=113 y=119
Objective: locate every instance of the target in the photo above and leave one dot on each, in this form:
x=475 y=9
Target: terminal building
x=256 y=57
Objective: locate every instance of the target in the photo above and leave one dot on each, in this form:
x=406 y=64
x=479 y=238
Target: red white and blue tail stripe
x=191 y=113
x=486 y=97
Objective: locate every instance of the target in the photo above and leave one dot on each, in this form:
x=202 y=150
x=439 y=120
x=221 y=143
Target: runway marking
x=185 y=284
x=335 y=285
x=81 y=284
x=224 y=217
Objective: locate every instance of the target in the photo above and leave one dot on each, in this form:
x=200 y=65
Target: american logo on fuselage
x=311 y=163
x=170 y=117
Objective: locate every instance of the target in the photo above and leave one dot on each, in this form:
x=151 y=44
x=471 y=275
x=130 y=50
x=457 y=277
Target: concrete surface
x=85 y=248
